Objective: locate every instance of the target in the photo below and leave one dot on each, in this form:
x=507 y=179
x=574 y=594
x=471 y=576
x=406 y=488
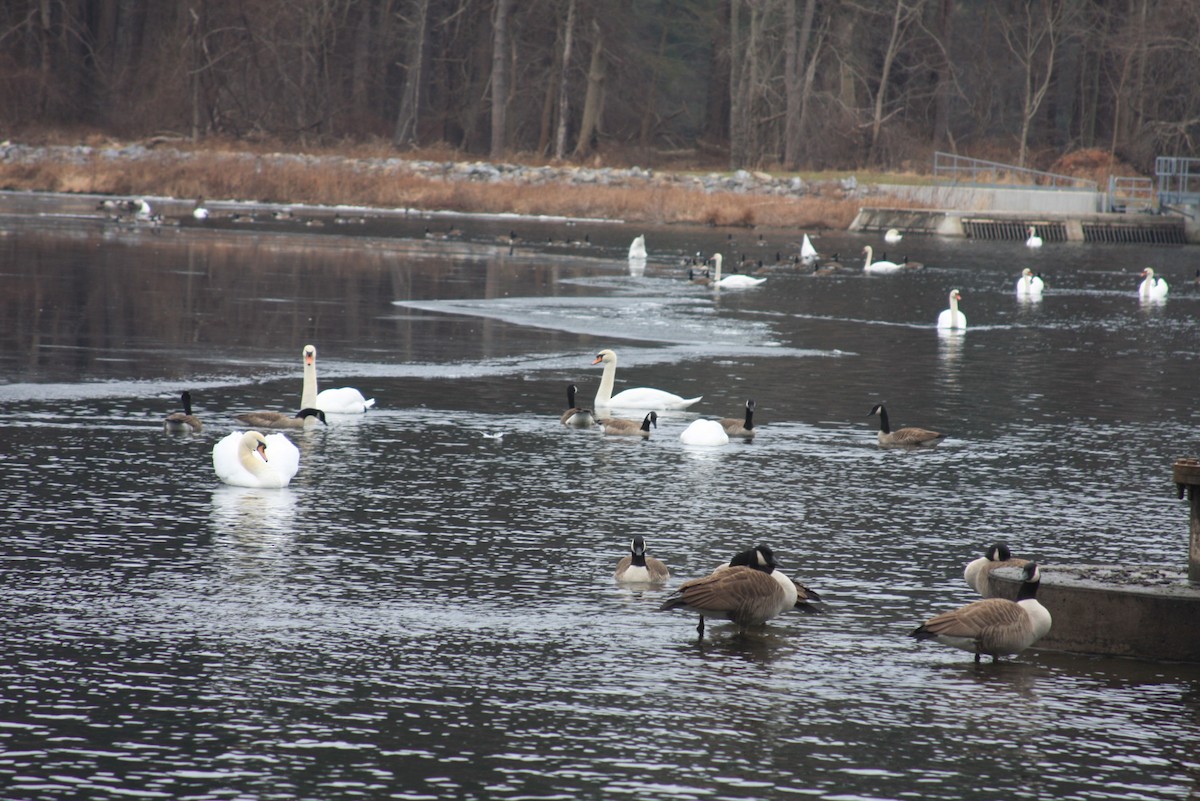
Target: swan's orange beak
x=262 y=451
x=308 y=358
x=598 y=360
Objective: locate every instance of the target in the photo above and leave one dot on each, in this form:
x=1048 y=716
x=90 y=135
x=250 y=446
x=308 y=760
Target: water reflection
x=429 y=611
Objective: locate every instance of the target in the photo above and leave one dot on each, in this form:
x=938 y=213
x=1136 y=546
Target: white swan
x=952 y=319
x=1029 y=285
x=636 y=397
x=732 y=281
x=808 y=253
x=199 y=211
x=637 y=248
x=248 y=459
x=704 y=432
x=892 y=236
x=1034 y=241
x=1152 y=287
x=344 y=400
x=881 y=266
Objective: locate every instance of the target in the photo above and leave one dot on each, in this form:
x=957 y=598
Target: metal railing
x=1178 y=180
x=1130 y=193
x=951 y=168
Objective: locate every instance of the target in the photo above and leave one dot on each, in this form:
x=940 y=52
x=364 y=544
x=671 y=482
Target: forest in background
x=767 y=84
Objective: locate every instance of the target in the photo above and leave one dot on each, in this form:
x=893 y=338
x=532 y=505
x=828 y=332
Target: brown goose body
x=740 y=428
x=745 y=594
x=183 y=422
x=303 y=419
x=575 y=417
x=903 y=437
x=994 y=626
x=629 y=428
x=637 y=567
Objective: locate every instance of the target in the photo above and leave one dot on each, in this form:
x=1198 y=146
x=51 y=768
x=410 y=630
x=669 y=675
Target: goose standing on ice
x=994 y=626
x=952 y=319
x=1034 y=241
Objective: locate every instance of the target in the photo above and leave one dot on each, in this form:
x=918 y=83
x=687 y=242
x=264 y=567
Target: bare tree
x=408 y=118
x=560 y=138
x=500 y=56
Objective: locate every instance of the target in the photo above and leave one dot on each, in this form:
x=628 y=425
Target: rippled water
x=428 y=611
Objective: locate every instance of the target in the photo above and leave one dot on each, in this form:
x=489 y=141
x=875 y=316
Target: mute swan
x=248 y=459
x=344 y=400
x=574 y=417
x=636 y=397
x=731 y=281
x=1152 y=287
x=183 y=422
x=629 y=428
x=198 y=211
x=1029 y=285
x=746 y=594
x=740 y=428
x=881 y=266
x=637 y=248
x=952 y=319
x=892 y=236
x=808 y=253
x=306 y=418
x=1034 y=241
x=638 y=568
x=977 y=570
x=904 y=437
x=704 y=432
x=994 y=626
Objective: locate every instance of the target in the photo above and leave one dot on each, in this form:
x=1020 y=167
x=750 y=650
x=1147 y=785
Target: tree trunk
x=408 y=119
x=795 y=85
x=593 y=101
x=560 y=138
x=944 y=85
x=500 y=56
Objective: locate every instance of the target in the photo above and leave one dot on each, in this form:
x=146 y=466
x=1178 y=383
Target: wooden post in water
x=1187 y=475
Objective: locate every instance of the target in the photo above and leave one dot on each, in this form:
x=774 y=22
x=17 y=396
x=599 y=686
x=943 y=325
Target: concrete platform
x=1146 y=612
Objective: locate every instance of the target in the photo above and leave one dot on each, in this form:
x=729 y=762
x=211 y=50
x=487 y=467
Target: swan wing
x=343 y=400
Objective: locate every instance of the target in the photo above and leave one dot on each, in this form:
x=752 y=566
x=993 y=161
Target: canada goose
x=343 y=400
x=881 y=266
x=904 y=437
x=952 y=319
x=574 y=417
x=804 y=596
x=183 y=422
x=1152 y=287
x=977 y=570
x=910 y=264
x=1034 y=241
x=740 y=428
x=635 y=398
x=1029 y=285
x=638 y=568
x=629 y=428
x=699 y=278
x=994 y=626
x=704 y=432
x=305 y=418
x=745 y=594
x=735 y=281
x=242 y=459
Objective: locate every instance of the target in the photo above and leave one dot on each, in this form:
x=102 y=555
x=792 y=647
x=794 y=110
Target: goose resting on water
x=637 y=567
x=904 y=437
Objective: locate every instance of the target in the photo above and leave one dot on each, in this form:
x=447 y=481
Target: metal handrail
x=952 y=168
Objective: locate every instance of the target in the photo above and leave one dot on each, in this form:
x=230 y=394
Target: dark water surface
x=428 y=611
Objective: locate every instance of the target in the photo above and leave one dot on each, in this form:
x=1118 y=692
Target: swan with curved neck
x=1034 y=241
x=1152 y=287
x=881 y=266
x=952 y=319
x=248 y=459
x=343 y=400
x=1029 y=285
x=737 y=281
x=636 y=397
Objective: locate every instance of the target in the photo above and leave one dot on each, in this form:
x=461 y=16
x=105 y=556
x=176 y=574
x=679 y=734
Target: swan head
x=310 y=355
x=255 y=443
x=1026 y=273
x=1148 y=272
x=607 y=356
x=955 y=296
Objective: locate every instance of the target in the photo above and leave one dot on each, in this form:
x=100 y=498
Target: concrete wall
x=987 y=198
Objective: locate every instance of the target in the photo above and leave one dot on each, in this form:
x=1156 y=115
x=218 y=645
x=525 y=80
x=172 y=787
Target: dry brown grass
x=353 y=176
